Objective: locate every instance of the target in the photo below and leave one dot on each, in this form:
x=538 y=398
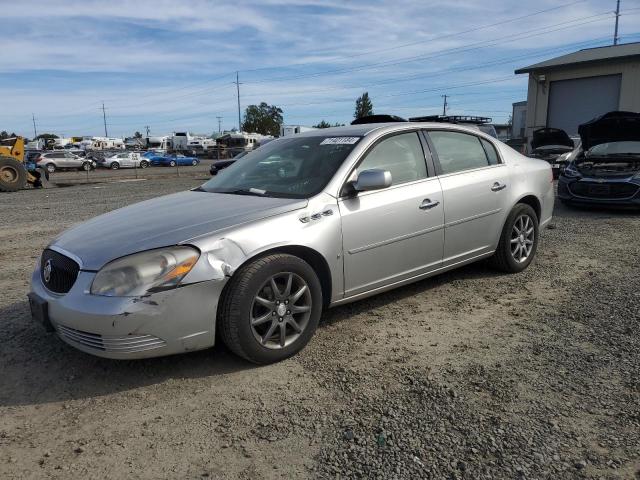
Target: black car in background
x=550 y=145
x=222 y=164
x=607 y=169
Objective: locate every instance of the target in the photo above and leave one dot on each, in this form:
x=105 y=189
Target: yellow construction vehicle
x=14 y=172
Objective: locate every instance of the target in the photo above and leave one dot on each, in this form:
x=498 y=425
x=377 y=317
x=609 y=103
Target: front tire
x=144 y=164
x=270 y=308
x=194 y=162
x=51 y=168
x=518 y=241
x=114 y=166
x=172 y=163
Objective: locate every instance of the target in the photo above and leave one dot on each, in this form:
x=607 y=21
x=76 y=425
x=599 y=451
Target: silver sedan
x=304 y=223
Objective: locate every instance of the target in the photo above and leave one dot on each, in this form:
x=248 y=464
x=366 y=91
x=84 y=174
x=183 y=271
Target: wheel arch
x=314 y=258
x=533 y=201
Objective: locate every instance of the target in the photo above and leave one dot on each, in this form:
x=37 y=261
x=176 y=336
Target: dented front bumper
x=173 y=321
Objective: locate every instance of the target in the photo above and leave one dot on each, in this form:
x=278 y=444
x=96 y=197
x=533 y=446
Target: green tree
x=322 y=124
x=325 y=124
x=137 y=135
x=4 y=135
x=364 y=106
x=264 y=119
x=47 y=136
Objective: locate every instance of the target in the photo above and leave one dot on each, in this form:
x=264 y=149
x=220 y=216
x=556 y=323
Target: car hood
x=550 y=136
x=610 y=127
x=165 y=221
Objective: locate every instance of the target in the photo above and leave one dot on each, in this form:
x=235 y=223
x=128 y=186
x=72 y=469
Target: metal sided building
x=574 y=88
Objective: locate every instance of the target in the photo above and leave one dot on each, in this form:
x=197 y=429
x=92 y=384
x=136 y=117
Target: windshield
x=614 y=148
x=291 y=167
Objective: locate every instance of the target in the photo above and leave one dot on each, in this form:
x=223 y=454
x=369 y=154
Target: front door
x=395 y=233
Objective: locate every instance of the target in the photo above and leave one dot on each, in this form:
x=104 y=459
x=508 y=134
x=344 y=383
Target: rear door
x=474 y=184
x=394 y=233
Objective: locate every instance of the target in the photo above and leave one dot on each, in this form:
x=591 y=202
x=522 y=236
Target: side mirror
x=373 y=179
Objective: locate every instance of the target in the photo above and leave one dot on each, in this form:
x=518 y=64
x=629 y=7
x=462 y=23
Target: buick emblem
x=46 y=271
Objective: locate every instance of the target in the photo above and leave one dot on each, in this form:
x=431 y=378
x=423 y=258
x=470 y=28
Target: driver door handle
x=428 y=204
x=498 y=186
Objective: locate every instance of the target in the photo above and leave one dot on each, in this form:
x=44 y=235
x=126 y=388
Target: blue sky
x=171 y=64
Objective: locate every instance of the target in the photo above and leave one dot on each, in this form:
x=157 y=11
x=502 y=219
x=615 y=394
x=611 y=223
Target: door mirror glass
x=373 y=179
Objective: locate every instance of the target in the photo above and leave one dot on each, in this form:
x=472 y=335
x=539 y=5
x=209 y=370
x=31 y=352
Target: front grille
x=58 y=272
x=604 y=190
x=112 y=344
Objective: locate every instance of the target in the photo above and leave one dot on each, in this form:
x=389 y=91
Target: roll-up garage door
x=572 y=102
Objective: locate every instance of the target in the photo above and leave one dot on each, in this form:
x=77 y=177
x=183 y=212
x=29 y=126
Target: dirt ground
x=472 y=374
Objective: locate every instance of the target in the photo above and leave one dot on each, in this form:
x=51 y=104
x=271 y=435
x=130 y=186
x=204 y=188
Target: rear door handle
x=498 y=186
x=428 y=204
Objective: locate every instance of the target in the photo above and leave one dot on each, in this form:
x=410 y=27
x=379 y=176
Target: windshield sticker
x=340 y=141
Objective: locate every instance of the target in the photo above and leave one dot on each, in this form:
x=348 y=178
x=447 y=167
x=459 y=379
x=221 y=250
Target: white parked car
x=124 y=160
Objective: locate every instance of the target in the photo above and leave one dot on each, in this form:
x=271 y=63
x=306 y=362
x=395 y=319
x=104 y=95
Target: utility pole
x=444 y=107
x=615 y=34
x=104 y=117
x=219 y=124
x=35 y=132
x=237 y=82
x=147 y=129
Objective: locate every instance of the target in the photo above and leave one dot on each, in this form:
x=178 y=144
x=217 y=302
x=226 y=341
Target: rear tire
x=516 y=251
x=244 y=321
x=51 y=167
x=172 y=163
x=194 y=162
x=144 y=164
x=13 y=175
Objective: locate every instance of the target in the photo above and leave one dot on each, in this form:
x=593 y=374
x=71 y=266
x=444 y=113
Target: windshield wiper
x=249 y=191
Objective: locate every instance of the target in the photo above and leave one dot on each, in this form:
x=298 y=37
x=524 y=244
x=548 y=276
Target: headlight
x=145 y=272
x=571 y=171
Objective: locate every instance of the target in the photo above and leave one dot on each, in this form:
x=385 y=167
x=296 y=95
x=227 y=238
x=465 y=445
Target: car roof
x=366 y=129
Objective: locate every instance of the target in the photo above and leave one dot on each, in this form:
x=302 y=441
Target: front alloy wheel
x=270 y=308
x=281 y=310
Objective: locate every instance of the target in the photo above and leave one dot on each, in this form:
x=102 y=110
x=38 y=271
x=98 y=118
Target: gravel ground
x=471 y=374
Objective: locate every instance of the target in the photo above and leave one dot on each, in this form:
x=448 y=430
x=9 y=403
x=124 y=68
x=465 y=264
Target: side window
x=491 y=152
x=401 y=155
x=458 y=151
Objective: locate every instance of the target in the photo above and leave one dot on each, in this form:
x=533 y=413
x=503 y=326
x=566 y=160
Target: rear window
x=490 y=150
x=458 y=151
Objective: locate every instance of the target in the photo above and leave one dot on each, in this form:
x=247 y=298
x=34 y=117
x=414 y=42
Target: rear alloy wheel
x=172 y=163
x=282 y=315
x=518 y=241
x=13 y=175
x=144 y=164
x=194 y=162
x=86 y=166
x=114 y=166
x=51 y=168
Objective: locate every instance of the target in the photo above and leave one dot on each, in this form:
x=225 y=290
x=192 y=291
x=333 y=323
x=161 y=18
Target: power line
x=430 y=39
x=470 y=47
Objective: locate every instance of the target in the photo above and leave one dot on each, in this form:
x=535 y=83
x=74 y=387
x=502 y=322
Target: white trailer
x=286 y=130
